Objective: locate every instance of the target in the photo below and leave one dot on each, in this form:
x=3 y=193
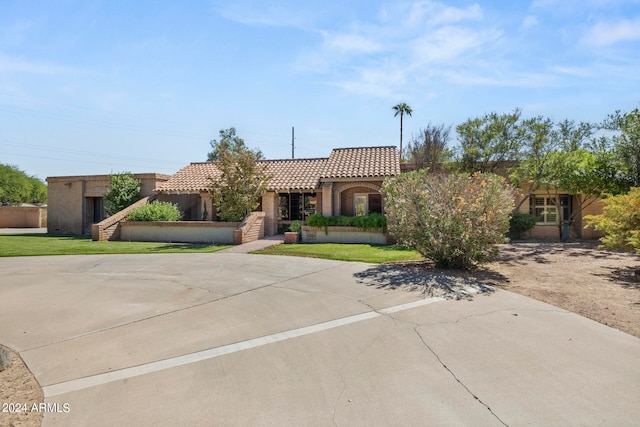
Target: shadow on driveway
x=423 y=276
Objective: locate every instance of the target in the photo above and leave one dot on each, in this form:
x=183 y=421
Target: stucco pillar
x=270 y=209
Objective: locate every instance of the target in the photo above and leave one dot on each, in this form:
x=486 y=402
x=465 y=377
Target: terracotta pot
x=291 y=237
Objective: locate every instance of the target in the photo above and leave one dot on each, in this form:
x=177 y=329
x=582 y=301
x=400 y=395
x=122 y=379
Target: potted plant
x=293 y=235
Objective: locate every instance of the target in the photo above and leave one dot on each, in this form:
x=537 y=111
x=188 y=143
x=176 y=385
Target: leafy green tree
x=230 y=142
x=454 y=220
x=401 y=109
x=241 y=183
x=18 y=187
x=124 y=190
x=487 y=142
x=429 y=147
x=625 y=145
x=620 y=221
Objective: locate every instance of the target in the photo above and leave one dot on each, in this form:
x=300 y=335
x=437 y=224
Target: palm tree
x=401 y=109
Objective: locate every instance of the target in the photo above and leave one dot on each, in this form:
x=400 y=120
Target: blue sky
x=93 y=87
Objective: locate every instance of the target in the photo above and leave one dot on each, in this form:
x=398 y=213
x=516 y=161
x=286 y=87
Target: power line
x=84 y=161
x=81 y=152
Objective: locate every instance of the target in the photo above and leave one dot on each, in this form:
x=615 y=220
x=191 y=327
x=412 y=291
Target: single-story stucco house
x=346 y=183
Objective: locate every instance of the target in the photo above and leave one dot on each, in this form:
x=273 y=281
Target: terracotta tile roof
x=287 y=174
x=297 y=174
x=190 y=179
x=362 y=162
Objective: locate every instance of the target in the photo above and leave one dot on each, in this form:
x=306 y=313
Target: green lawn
x=345 y=252
x=47 y=244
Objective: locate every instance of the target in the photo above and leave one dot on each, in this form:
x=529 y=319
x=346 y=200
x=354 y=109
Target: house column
x=270 y=209
x=327 y=200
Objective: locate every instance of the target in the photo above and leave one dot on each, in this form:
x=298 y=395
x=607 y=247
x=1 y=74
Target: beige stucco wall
x=69 y=199
x=178 y=231
x=270 y=208
x=342 y=235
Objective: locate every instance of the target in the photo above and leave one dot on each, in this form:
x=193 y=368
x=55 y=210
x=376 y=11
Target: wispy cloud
x=265 y=13
x=354 y=43
x=16 y=65
x=404 y=45
x=435 y=13
x=450 y=43
x=608 y=33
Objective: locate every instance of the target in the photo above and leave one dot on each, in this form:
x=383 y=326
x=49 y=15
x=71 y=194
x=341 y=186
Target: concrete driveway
x=235 y=339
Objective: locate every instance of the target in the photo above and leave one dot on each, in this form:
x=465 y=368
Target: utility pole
x=293 y=138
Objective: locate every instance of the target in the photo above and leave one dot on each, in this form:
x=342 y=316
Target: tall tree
x=18 y=187
x=401 y=109
x=625 y=143
x=487 y=142
x=242 y=181
x=228 y=141
x=429 y=147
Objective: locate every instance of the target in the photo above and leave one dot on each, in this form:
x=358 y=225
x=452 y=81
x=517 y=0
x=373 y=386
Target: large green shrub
x=620 y=221
x=454 y=220
x=155 y=211
x=520 y=223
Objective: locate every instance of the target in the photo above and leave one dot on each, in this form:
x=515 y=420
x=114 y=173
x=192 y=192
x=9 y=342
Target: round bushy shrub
x=156 y=211
x=620 y=221
x=454 y=220
x=520 y=223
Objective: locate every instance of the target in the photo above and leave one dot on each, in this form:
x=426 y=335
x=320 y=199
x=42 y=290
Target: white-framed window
x=551 y=209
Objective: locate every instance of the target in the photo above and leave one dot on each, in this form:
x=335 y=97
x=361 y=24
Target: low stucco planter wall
x=179 y=231
x=343 y=235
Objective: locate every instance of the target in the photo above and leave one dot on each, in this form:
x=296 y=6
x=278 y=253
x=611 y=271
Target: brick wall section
x=23 y=216
x=65 y=205
x=252 y=229
x=109 y=229
x=327 y=206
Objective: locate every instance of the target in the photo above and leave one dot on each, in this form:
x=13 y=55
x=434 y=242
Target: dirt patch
x=598 y=284
x=578 y=277
x=19 y=392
